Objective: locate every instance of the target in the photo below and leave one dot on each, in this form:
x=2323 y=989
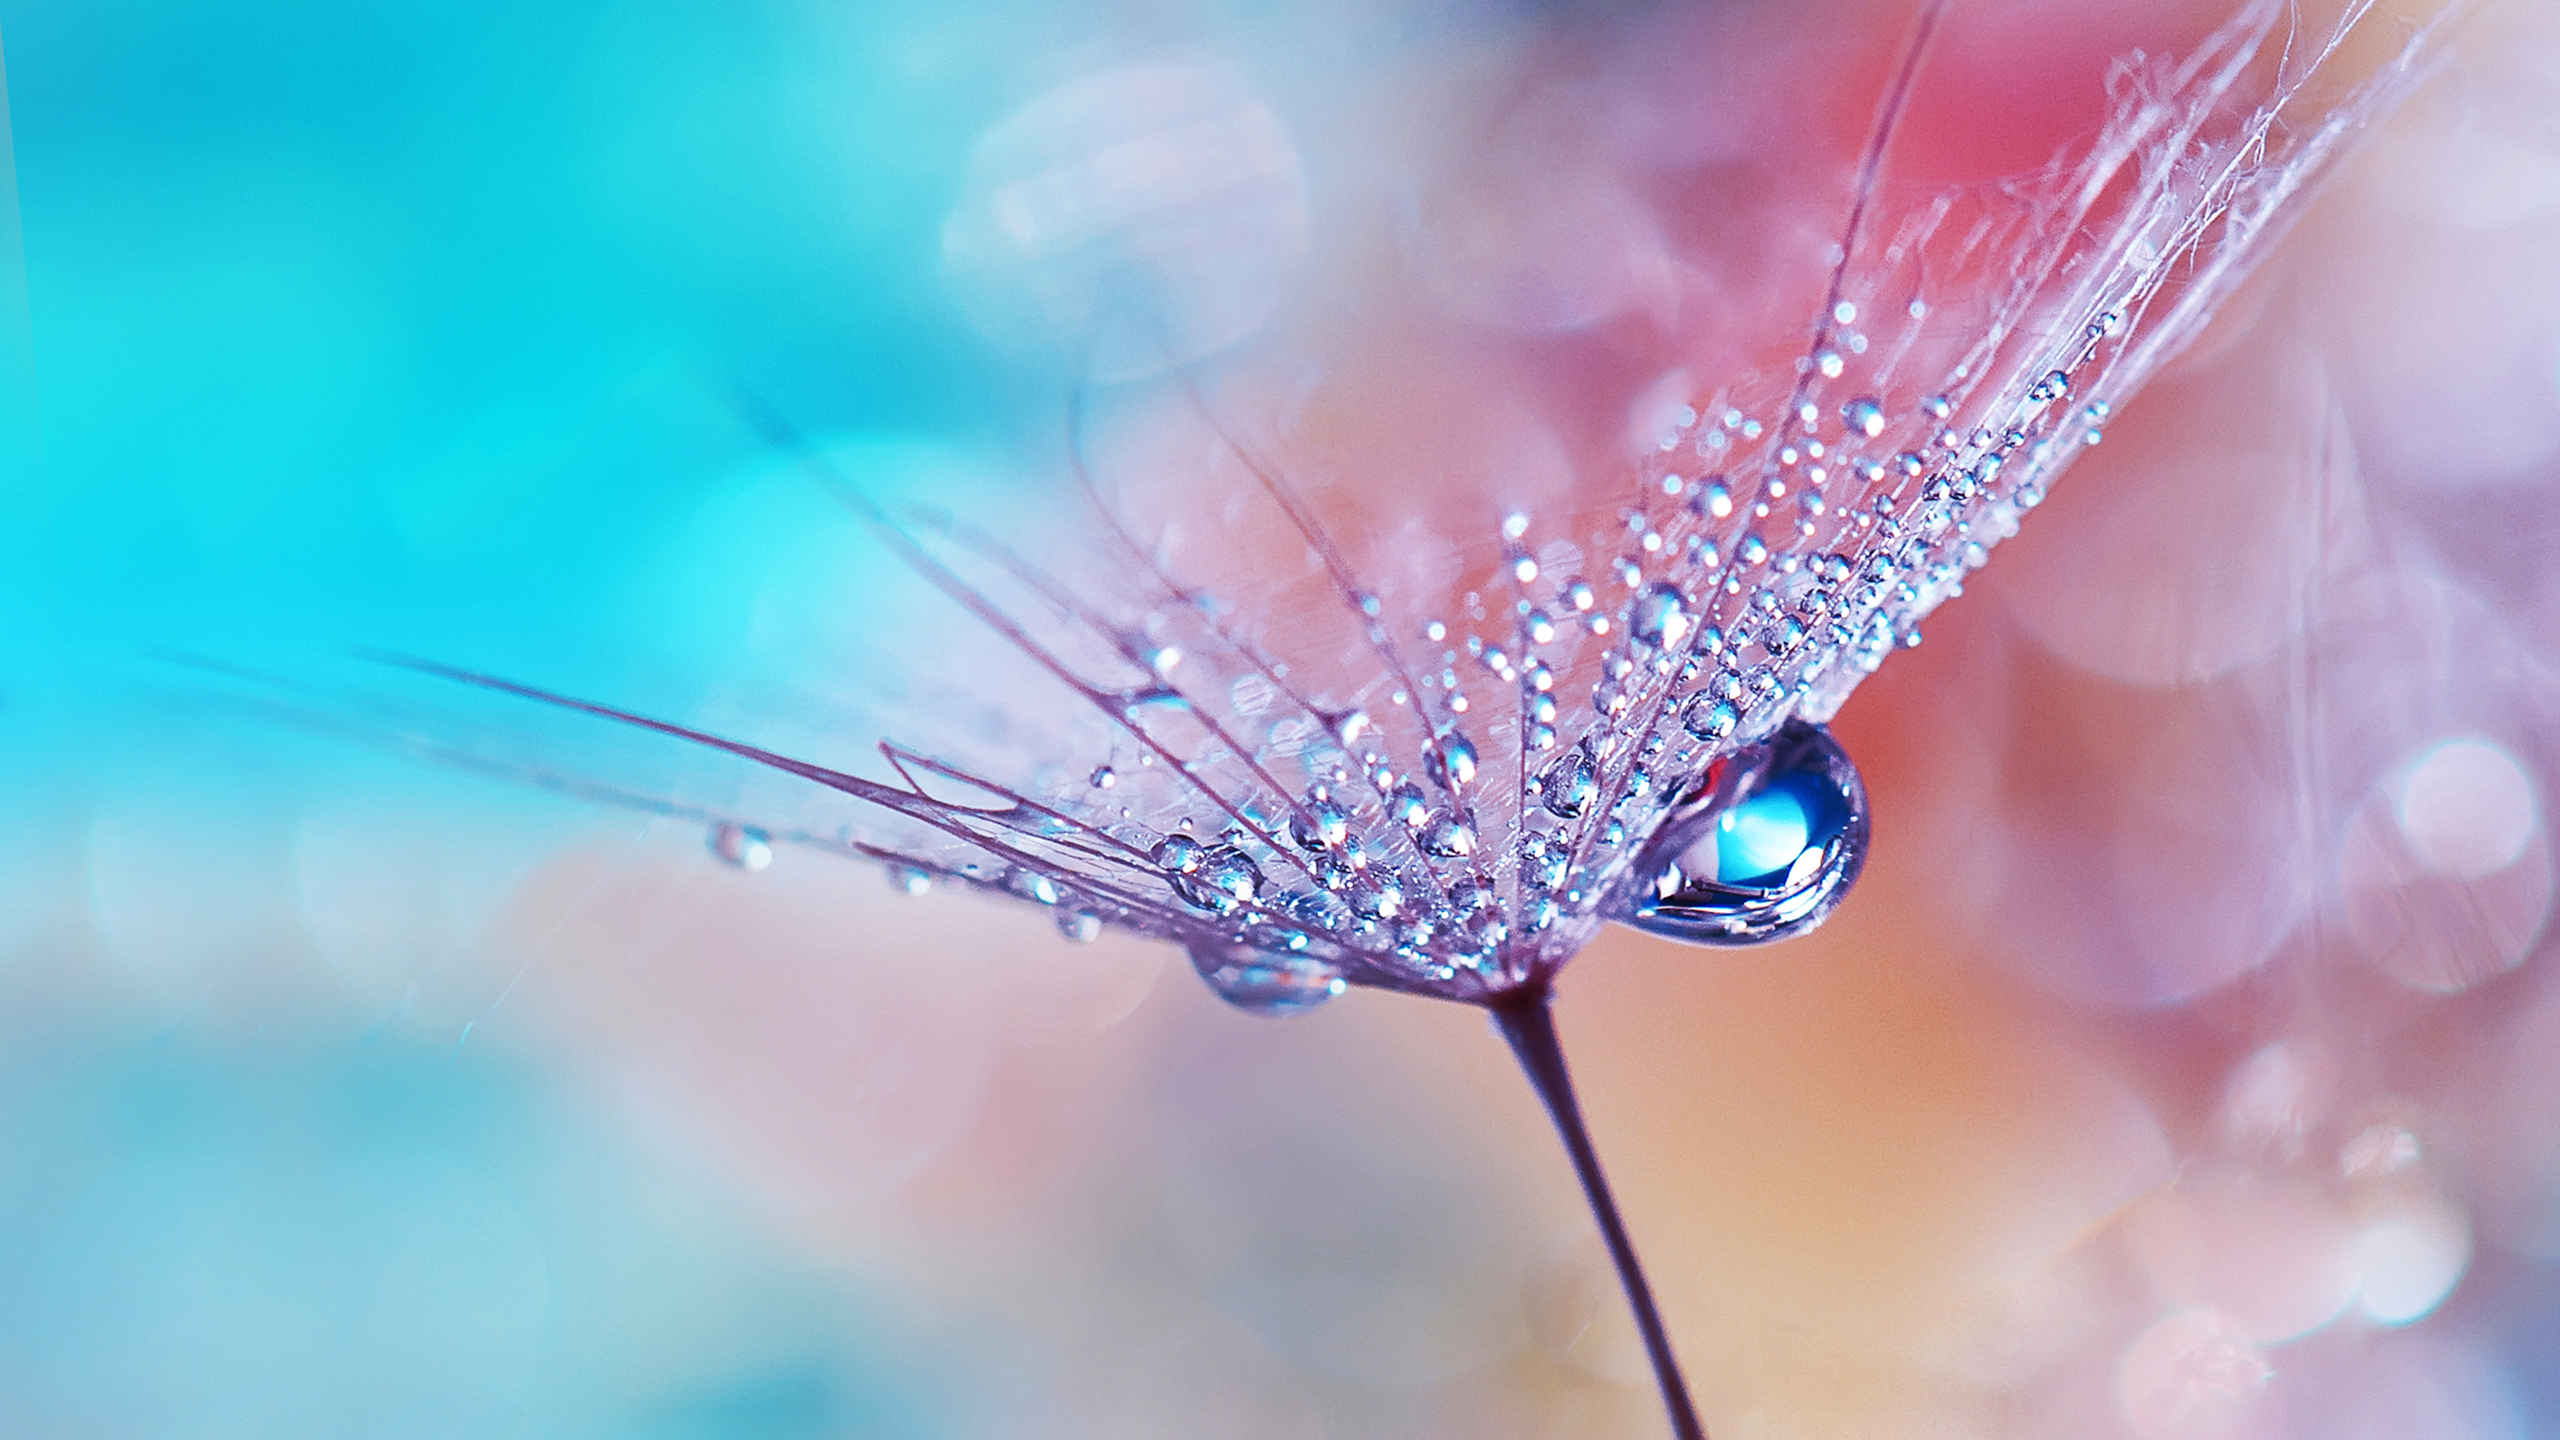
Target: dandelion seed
x=1697 y=796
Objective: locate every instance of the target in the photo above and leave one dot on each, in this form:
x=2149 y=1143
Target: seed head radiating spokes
x=1459 y=810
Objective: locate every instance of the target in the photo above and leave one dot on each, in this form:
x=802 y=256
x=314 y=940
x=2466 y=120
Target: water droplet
x=910 y=879
x=1523 y=569
x=1578 y=594
x=1514 y=526
x=1178 y=854
x=1539 y=627
x=1322 y=909
x=1938 y=407
x=2054 y=385
x=1346 y=726
x=1449 y=836
x=1103 y=777
x=1766 y=851
x=1408 y=806
x=1451 y=762
x=1710 y=718
x=1261 y=983
x=1659 y=619
x=1223 y=879
x=1320 y=823
x=1864 y=416
x=1752 y=551
x=1082 y=926
x=1033 y=886
x=1828 y=364
x=1565 y=787
x=741 y=847
x=1378 y=897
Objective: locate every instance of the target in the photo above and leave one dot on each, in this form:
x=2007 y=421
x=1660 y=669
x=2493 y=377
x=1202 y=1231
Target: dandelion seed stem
x=1525 y=1019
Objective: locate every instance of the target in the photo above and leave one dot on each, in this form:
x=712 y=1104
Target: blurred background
x=2185 y=1066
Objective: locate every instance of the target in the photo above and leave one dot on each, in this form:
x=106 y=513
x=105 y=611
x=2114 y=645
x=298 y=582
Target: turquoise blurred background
x=408 y=325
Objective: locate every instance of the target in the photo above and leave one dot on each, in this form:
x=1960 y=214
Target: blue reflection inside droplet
x=1759 y=838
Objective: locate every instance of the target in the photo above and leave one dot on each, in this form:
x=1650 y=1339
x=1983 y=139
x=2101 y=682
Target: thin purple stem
x=1526 y=1021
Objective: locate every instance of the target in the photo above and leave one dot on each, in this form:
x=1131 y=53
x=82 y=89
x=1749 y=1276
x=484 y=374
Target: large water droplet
x=741 y=847
x=1766 y=849
x=1259 y=982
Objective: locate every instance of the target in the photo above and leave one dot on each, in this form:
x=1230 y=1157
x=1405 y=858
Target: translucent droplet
x=1259 y=982
x=1709 y=718
x=1347 y=726
x=1103 y=777
x=1082 y=926
x=741 y=847
x=1566 y=786
x=1864 y=416
x=1224 y=879
x=1033 y=886
x=910 y=879
x=1766 y=849
x=1408 y=806
x=1753 y=550
x=1178 y=854
x=1539 y=627
x=1380 y=897
x=1449 y=836
x=1320 y=823
x=1451 y=762
x=1578 y=594
x=1659 y=619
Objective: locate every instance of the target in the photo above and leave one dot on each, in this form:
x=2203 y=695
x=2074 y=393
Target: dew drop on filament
x=1765 y=849
x=1261 y=983
x=741 y=847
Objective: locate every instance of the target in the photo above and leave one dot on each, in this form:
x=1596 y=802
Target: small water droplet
x=1565 y=787
x=1224 y=878
x=1659 y=619
x=1539 y=627
x=741 y=847
x=1347 y=726
x=1103 y=777
x=1449 y=836
x=1864 y=416
x=1408 y=806
x=1709 y=718
x=1082 y=926
x=1451 y=762
x=1828 y=364
x=1320 y=823
x=1578 y=594
x=1178 y=854
x=910 y=879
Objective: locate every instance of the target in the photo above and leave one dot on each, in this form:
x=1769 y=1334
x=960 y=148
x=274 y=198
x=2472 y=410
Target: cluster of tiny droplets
x=1789 y=534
